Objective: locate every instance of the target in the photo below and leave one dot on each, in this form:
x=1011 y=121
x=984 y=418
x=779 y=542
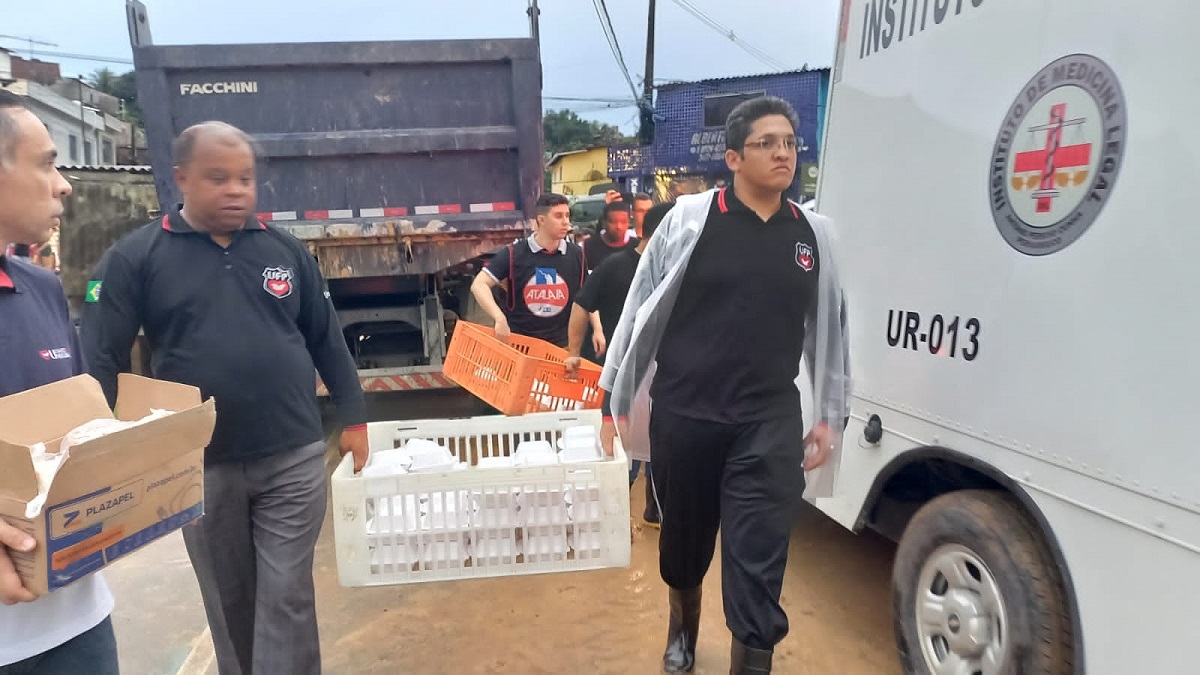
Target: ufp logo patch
x=546 y=293
x=278 y=281
x=1057 y=156
x=804 y=256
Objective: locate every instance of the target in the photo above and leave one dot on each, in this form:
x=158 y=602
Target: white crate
x=480 y=521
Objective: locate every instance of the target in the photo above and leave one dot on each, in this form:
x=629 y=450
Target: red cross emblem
x=1050 y=160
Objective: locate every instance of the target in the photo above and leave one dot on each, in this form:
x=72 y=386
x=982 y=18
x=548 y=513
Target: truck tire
x=977 y=592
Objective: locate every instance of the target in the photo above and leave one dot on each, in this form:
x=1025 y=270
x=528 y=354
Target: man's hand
x=611 y=196
x=599 y=344
x=12 y=590
x=608 y=433
x=821 y=441
x=502 y=330
x=572 y=363
x=354 y=441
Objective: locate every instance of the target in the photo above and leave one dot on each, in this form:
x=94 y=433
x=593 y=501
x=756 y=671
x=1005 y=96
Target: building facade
x=688 y=153
x=84 y=134
x=577 y=172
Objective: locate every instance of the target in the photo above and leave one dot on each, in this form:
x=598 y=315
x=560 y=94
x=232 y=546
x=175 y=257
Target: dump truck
x=401 y=164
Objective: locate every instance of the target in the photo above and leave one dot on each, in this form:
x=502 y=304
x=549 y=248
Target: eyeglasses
x=771 y=142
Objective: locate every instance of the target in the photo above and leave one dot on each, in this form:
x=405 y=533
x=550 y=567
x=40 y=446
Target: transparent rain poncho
x=630 y=361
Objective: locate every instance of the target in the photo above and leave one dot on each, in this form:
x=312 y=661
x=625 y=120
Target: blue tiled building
x=688 y=153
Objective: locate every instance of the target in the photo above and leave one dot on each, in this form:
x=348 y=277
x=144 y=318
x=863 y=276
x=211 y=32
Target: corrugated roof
x=117 y=168
x=751 y=76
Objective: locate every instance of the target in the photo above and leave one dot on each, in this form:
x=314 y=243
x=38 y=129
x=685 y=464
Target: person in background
x=240 y=310
x=737 y=290
x=613 y=237
x=23 y=251
x=604 y=294
x=46 y=257
x=70 y=630
x=642 y=203
x=541 y=276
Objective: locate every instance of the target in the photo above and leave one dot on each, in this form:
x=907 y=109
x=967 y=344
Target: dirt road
x=614 y=621
x=837 y=595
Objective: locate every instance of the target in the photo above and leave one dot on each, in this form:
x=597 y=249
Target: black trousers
x=747 y=480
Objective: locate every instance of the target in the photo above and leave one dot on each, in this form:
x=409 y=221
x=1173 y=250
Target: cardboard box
x=113 y=495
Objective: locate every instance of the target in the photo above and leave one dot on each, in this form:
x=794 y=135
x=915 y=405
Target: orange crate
x=526 y=375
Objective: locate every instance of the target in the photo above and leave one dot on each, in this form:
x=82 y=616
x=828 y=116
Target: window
x=73 y=144
x=106 y=152
x=87 y=152
x=718 y=106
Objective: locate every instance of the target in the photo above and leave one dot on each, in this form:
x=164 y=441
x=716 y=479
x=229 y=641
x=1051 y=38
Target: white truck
x=1012 y=184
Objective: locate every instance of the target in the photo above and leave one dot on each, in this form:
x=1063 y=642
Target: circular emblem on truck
x=1057 y=155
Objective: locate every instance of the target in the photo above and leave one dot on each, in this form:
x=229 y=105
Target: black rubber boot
x=749 y=661
x=650 y=515
x=684 y=628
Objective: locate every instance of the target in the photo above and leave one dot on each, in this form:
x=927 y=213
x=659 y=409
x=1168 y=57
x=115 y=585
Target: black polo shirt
x=247 y=324
x=38 y=343
x=605 y=291
x=732 y=346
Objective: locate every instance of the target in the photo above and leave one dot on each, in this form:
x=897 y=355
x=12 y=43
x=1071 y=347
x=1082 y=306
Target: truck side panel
x=391 y=158
x=1013 y=188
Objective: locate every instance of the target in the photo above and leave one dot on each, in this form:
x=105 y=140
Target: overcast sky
x=577 y=59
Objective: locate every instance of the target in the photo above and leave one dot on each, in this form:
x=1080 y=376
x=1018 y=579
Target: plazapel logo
x=278 y=281
x=1058 y=154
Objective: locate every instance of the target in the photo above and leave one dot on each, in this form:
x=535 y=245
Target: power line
x=747 y=47
x=622 y=101
x=611 y=36
x=79 y=57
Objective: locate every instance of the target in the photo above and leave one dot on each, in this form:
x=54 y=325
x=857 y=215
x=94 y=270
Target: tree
x=565 y=130
x=122 y=86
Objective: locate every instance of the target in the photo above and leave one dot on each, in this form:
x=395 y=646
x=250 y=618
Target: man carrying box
x=69 y=630
x=543 y=274
x=241 y=311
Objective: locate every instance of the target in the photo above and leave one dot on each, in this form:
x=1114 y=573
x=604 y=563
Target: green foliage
x=564 y=131
x=122 y=86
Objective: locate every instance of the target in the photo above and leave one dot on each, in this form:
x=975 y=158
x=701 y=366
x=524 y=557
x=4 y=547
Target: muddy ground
x=837 y=595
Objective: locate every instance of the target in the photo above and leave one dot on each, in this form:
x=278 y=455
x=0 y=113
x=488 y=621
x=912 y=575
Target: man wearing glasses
x=734 y=288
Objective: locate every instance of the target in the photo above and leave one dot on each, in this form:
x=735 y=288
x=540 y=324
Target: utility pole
x=536 y=34
x=646 y=105
x=646 y=132
x=82 y=126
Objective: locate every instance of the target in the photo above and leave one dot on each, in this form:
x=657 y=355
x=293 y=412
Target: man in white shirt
x=68 y=631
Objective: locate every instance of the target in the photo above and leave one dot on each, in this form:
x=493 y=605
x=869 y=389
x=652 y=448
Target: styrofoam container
x=487 y=519
x=581 y=431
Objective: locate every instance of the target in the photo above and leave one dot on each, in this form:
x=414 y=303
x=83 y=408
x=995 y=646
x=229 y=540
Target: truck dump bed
x=389 y=158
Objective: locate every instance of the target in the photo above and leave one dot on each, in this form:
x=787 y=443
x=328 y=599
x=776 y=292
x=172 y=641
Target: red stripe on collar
x=795 y=211
x=6 y=281
x=166 y=224
x=721 y=201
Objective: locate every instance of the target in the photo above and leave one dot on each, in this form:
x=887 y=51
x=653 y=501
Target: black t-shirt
x=598 y=250
x=605 y=291
x=538 y=304
x=732 y=346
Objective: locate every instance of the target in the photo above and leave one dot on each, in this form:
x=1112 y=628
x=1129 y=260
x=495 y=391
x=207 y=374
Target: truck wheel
x=976 y=592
